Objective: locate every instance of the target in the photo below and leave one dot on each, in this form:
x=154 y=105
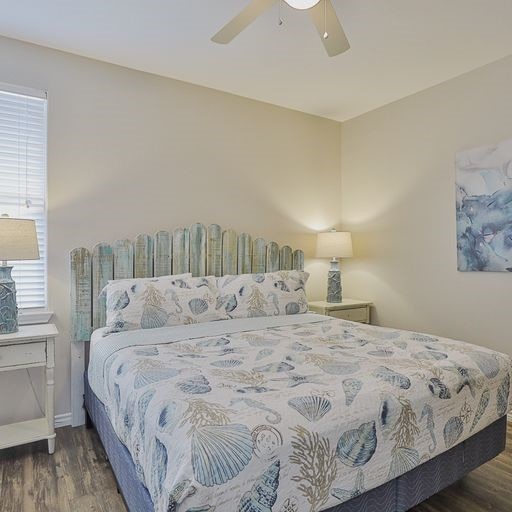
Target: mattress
x=293 y=413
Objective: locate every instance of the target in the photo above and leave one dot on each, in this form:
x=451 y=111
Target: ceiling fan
x=322 y=13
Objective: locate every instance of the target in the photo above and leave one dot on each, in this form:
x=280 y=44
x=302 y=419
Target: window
x=23 y=180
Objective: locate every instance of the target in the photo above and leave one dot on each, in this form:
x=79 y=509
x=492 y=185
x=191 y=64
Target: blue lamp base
x=8 y=306
x=334 y=282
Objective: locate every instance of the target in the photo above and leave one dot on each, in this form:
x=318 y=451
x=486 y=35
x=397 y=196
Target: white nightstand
x=348 y=309
x=30 y=347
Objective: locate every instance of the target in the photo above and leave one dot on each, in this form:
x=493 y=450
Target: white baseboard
x=63 y=420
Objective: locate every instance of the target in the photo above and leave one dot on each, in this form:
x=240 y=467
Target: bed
x=281 y=413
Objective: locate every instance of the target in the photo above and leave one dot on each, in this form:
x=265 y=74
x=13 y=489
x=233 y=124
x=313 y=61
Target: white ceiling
x=398 y=46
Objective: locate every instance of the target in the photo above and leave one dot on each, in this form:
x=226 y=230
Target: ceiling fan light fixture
x=322 y=13
x=302 y=4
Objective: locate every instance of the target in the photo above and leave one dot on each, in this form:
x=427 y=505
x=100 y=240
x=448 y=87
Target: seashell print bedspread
x=289 y=414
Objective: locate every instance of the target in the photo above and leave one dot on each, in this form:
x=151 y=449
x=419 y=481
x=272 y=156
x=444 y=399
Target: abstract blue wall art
x=484 y=208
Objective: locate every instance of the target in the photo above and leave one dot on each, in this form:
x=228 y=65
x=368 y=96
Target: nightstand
x=30 y=347
x=348 y=309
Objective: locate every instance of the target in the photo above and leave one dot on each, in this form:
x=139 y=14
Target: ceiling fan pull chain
x=326 y=34
x=280 y=19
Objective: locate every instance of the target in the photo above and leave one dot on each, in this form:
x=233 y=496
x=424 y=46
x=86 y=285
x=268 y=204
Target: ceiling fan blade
x=337 y=41
x=242 y=20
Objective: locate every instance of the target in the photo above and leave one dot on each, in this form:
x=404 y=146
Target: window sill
x=34 y=316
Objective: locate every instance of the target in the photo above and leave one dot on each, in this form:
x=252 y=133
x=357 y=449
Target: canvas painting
x=484 y=208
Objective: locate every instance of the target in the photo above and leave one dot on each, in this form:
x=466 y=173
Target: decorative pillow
x=161 y=301
x=126 y=284
x=273 y=293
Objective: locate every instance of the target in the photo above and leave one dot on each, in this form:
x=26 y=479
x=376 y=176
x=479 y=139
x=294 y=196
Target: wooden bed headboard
x=200 y=250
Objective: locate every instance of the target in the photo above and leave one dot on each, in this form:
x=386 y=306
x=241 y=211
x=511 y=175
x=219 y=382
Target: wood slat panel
x=229 y=252
x=143 y=256
x=244 y=254
x=81 y=295
x=181 y=251
x=163 y=252
x=198 y=250
x=285 y=258
x=259 y=256
x=214 y=251
x=102 y=272
x=123 y=259
x=298 y=260
x=272 y=257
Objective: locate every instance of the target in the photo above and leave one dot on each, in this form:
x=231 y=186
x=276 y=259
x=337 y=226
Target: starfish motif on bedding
x=467 y=378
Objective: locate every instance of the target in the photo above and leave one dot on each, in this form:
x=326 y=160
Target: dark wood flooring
x=77 y=478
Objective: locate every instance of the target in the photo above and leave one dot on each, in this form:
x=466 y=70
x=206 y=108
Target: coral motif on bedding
x=273 y=293
x=161 y=301
x=316 y=463
x=246 y=421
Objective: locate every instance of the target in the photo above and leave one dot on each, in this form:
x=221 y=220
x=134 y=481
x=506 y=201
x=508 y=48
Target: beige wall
x=398 y=196
x=131 y=152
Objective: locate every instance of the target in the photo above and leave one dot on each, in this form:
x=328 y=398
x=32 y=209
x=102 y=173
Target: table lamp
x=18 y=241
x=334 y=244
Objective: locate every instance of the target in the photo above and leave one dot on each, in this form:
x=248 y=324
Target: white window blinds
x=23 y=181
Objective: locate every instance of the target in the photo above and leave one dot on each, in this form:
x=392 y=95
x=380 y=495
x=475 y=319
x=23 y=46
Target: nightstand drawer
x=354 y=314
x=25 y=353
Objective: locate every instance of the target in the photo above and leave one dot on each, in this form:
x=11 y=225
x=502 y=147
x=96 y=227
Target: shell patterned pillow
x=161 y=301
x=273 y=293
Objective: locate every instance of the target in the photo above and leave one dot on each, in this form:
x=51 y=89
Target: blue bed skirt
x=398 y=495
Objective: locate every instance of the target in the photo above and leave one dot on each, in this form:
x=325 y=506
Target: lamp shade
x=18 y=239
x=334 y=244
